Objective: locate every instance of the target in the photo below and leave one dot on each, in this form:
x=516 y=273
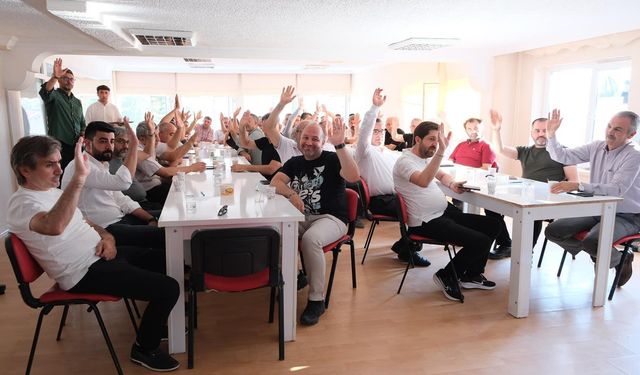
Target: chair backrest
x=25 y=267
x=235 y=254
x=352 y=210
x=366 y=196
x=402 y=214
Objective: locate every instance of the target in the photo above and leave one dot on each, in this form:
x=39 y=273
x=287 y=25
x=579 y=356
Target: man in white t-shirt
x=81 y=256
x=102 y=110
x=430 y=215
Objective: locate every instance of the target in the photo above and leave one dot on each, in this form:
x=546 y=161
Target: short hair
x=164 y=126
x=265 y=117
x=314 y=123
x=103 y=87
x=97 y=126
x=208 y=118
x=538 y=119
x=633 y=118
x=120 y=132
x=255 y=117
x=424 y=128
x=28 y=150
x=305 y=115
x=69 y=71
x=142 y=130
x=378 y=120
x=471 y=119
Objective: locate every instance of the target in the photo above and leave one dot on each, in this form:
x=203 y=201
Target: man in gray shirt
x=614 y=171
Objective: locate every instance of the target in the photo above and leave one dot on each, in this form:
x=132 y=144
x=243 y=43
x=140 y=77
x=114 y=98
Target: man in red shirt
x=476 y=153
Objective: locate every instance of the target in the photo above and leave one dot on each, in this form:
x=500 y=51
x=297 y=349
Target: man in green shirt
x=65 y=118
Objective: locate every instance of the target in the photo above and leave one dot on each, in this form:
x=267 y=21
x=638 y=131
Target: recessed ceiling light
x=423 y=44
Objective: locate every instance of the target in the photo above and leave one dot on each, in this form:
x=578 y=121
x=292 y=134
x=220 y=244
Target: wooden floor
x=368 y=330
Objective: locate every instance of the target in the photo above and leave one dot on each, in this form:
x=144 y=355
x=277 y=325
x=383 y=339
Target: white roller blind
x=324 y=84
x=208 y=84
x=137 y=83
x=265 y=84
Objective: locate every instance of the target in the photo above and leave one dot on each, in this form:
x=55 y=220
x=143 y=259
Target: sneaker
x=449 y=285
x=155 y=360
x=625 y=269
x=312 y=312
x=477 y=282
x=500 y=252
x=302 y=280
x=418 y=261
x=359 y=223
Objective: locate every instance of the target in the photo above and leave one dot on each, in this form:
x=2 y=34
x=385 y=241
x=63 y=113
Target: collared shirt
x=473 y=154
x=102 y=112
x=101 y=199
x=146 y=171
x=204 y=134
x=65 y=120
x=375 y=163
x=613 y=172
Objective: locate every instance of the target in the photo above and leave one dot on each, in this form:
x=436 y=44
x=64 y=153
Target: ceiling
x=288 y=35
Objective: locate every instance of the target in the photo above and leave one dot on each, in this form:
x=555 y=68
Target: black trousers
x=503 y=237
x=137 y=273
x=474 y=233
x=159 y=193
x=131 y=231
x=384 y=205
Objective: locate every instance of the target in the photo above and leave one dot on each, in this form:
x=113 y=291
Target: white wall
x=7 y=179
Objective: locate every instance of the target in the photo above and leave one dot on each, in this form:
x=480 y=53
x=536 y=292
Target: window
x=135 y=106
x=33 y=116
x=210 y=106
x=588 y=95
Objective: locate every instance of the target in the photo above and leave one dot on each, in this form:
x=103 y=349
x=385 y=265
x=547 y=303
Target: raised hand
x=496 y=119
x=554 y=122
x=443 y=141
x=237 y=112
x=198 y=116
x=186 y=116
x=244 y=120
x=176 y=102
x=80 y=160
x=378 y=99
x=287 y=96
x=148 y=119
x=335 y=132
x=58 y=72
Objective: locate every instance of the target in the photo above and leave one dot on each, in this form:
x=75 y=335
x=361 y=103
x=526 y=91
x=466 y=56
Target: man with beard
x=65 y=118
x=102 y=200
x=430 y=215
x=535 y=161
x=614 y=172
x=315 y=184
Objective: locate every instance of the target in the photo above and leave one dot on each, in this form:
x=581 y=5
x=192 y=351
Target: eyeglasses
x=68 y=79
x=122 y=141
x=377 y=131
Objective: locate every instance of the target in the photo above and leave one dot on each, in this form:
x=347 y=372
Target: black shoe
x=449 y=285
x=418 y=260
x=312 y=312
x=500 y=252
x=625 y=269
x=477 y=282
x=155 y=360
x=2 y=288
x=359 y=223
x=302 y=280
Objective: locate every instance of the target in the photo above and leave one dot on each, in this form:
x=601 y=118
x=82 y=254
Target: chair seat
x=237 y=284
x=378 y=217
x=331 y=246
x=627 y=239
x=419 y=238
x=55 y=294
x=581 y=235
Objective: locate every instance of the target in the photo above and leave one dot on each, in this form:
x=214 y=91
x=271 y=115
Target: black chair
x=235 y=260
x=375 y=219
x=27 y=270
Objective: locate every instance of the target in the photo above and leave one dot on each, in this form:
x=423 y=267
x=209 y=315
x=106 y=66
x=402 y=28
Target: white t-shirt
x=100 y=112
x=287 y=149
x=218 y=136
x=66 y=258
x=161 y=147
x=146 y=172
x=101 y=199
x=423 y=204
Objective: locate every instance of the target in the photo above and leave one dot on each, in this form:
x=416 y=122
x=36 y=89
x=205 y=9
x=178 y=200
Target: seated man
x=81 y=256
x=169 y=149
x=204 y=131
x=613 y=171
x=430 y=215
x=148 y=171
x=476 y=153
x=315 y=184
x=376 y=167
x=270 y=163
x=254 y=156
x=102 y=200
x=393 y=135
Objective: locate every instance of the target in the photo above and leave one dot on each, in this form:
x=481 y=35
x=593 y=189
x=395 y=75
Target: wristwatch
x=341 y=145
x=580 y=186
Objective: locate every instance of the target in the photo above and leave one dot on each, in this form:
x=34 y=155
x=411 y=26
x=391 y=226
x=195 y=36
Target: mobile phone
x=471 y=187
x=580 y=193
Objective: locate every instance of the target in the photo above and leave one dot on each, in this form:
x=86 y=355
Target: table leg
x=520 y=282
x=175 y=269
x=289 y=273
x=605 y=239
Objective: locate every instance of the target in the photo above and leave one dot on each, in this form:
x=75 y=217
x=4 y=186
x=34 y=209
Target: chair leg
x=404 y=276
x=336 y=251
x=564 y=256
x=272 y=301
x=131 y=317
x=63 y=321
x=353 y=264
x=135 y=308
x=106 y=338
x=544 y=247
x=36 y=335
x=368 y=241
x=190 y=328
x=280 y=322
x=195 y=310
x=617 y=277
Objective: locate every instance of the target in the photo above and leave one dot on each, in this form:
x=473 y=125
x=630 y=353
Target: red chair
x=27 y=271
x=235 y=260
x=375 y=219
x=334 y=247
x=403 y=216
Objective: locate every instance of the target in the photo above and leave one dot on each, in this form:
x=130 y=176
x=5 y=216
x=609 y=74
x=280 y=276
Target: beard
x=103 y=156
x=427 y=152
x=541 y=141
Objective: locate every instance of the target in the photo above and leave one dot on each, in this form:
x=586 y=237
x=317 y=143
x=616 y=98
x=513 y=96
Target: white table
x=526 y=201
x=242 y=211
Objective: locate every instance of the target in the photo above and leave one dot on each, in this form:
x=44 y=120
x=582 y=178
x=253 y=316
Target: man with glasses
x=65 y=118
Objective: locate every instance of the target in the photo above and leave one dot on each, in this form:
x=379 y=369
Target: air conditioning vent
x=195 y=60
x=422 y=44
x=165 y=38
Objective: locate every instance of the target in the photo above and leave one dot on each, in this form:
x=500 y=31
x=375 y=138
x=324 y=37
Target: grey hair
x=28 y=150
x=142 y=130
x=633 y=118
